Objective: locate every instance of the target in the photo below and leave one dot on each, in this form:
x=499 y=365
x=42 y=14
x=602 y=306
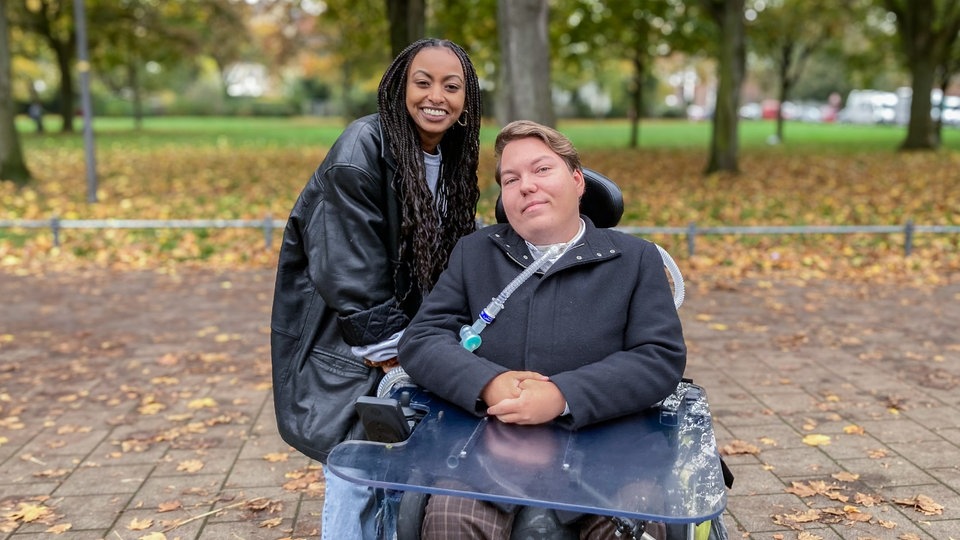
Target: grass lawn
x=586 y=134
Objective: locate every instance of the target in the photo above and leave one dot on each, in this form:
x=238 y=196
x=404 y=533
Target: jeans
x=356 y=512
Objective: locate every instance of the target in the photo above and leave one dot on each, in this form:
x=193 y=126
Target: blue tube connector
x=470 y=334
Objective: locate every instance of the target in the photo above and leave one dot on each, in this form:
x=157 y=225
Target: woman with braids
x=365 y=241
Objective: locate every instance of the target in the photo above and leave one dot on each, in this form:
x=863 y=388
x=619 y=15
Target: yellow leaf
x=853 y=430
x=275 y=457
x=202 y=403
x=190 y=465
x=28 y=512
x=137 y=524
x=816 y=440
x=153 y=536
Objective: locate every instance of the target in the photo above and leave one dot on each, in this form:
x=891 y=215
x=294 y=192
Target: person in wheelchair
x=591 y=336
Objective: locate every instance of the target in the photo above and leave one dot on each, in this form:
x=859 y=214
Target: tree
x=407 y=21
x=352 y=32
x=52 y=21
x=12 y=165
x=731 y=65
x=524 y=90
x=783 y=32
x=927 y=30
x=131 y=34
x=631 y=34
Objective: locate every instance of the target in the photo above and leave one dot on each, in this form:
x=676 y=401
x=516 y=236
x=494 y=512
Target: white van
x=869 y=107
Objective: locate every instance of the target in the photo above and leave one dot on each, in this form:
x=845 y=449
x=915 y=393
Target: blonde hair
x=556 y=141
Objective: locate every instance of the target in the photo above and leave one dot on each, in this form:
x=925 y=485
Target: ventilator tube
x=470 y=334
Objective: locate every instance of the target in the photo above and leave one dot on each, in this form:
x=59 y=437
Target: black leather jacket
x=336 y=288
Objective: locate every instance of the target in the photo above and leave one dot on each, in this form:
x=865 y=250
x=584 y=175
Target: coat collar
x=595 y=245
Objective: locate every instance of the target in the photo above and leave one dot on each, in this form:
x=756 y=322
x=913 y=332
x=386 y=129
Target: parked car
x=751 y=111
x=869 y=107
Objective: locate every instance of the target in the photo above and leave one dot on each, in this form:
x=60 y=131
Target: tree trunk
x=407 y=22
x=786 y=55
x=524 y=91
x=133 y=79
x=67 y=106
x=927 y=35
x=636 y=102
x=12 y=165
x=724 y=143
x=920 y=135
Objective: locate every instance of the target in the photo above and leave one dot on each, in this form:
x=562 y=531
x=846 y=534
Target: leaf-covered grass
x=232 y=168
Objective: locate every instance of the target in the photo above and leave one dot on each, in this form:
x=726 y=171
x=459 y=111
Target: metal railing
x=691 y=231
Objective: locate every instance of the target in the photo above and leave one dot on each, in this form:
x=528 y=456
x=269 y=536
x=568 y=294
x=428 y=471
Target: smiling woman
x=435 y=95
x=367 y=238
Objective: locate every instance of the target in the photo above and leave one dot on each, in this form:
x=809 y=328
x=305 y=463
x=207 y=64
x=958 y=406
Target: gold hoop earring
x=461 y=121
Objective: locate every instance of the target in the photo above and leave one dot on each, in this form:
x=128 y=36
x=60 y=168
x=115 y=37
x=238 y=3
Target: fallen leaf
x=137 y=524
x=190 y=465
x=202 y=403
x=816 y=440
x=60 y=528
x=29 y=512
x=169 y=506
x=867 y=500
x=276 y=457
x=738 y=447
x=853 y=430
x=846 y=476
x=271 y=523
x=923 y=504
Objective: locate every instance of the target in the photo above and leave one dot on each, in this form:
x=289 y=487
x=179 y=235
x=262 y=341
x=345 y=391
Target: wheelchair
x=677 y=425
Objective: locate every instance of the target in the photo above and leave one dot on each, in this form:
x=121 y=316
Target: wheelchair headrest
x=602 y=201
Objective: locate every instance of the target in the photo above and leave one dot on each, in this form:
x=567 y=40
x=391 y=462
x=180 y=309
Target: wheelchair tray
x=651 y=466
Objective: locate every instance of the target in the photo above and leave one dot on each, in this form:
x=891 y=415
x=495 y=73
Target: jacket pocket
x=315 y=405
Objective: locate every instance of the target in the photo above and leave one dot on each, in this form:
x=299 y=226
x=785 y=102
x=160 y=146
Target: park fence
x=268 y=225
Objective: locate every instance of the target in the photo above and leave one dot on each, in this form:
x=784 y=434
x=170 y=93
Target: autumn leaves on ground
x=661 y=188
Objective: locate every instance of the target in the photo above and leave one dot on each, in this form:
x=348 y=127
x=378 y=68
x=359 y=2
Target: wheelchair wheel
x=413 y=506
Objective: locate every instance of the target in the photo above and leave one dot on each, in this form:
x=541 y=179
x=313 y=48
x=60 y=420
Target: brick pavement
x=134 y=404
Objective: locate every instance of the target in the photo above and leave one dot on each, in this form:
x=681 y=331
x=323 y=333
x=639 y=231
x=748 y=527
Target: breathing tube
x=675 y=275
x=470 y=334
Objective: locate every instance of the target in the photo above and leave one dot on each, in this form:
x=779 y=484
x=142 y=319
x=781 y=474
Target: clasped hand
x=523 y=397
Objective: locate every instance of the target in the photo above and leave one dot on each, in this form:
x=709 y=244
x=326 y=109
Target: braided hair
x=429 y=230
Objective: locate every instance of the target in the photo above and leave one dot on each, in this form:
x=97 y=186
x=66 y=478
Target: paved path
x=135 y=404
